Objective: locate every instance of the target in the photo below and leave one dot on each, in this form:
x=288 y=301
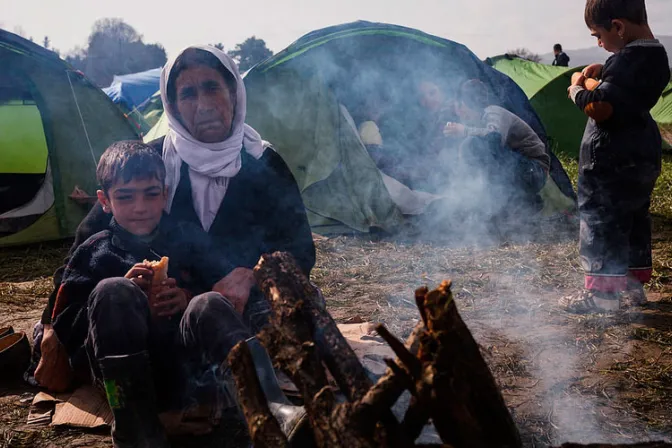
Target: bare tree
x=525 y=53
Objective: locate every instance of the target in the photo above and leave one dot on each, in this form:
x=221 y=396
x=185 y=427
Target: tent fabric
x=295 y=101
x=662 y=112
x=78 y=122
x=131 y=91
x=546 y=87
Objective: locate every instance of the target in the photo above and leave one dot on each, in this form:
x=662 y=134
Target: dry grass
x=584 y=378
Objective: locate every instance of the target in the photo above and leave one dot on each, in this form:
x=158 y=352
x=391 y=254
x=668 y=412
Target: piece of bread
x=160 y=269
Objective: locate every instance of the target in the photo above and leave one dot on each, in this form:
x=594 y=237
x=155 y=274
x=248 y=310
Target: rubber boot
x=130 y=392
x=292 y=419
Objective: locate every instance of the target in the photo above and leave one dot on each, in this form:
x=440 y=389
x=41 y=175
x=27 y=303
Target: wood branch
x=263 y=427
x=280 y=278
x=467 y=407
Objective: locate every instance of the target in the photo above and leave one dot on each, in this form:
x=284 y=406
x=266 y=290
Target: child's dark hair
x=602 y=12
x=127 y=160
x=474 y=94
x=194 y=57
x=557 y=47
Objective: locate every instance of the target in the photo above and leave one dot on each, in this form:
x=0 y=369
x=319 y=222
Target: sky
x=487 y=27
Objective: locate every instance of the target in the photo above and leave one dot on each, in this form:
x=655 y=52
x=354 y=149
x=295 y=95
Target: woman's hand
x=141 y=275
x=236 y=287
x=170 y=299
x=53 y=371
x=593 y=71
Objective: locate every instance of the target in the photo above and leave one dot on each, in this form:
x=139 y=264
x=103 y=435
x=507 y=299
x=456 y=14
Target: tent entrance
x=26 y=189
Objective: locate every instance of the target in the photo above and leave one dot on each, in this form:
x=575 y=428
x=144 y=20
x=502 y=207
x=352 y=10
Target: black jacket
x=621 y=134
x=561 y=60
x=262 y=212
x=113 y=252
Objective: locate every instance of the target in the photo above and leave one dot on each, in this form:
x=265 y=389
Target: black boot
x=293 y=419
x=130 y=393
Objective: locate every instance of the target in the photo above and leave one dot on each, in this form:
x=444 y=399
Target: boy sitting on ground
x=138 y=349
x=620 y=158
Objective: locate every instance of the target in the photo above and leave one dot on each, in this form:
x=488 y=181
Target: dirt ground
x=565 y=378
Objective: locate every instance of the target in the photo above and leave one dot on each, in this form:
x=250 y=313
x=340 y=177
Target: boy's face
x=611 y=40
x=137 y=205
x=466 y=114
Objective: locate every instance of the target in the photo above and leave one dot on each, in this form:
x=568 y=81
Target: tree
x=219 y=46
x=250 y=53
x=115 y=48
x=46 y=42
x=524 y=53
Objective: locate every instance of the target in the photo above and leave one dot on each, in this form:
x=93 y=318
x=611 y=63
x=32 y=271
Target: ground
x=564 y=378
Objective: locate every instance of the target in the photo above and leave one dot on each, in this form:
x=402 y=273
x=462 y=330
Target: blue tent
x=130 y=91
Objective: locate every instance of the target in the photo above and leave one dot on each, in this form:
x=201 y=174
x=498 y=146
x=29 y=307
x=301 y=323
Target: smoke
x=298 y=107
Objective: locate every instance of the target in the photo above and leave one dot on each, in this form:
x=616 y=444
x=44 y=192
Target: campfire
x=440 y=365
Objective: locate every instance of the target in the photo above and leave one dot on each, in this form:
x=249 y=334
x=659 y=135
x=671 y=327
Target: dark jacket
x=113 y=252
x=621 y=134
x=561 y=60
x=262 y=212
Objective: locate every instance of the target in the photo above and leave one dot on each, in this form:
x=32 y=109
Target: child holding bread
x=136 y=302
x=620 y=157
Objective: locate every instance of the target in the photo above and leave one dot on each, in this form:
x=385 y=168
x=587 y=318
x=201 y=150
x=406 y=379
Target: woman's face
x=204 y=104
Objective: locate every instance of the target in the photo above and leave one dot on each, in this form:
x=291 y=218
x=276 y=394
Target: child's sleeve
x=77 y=283
x=493 y=123
x=608 y=98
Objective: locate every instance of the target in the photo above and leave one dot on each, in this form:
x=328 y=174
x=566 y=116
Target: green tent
x=662 y=112
x=54 y=125
x=546 y=87
x=305 y=100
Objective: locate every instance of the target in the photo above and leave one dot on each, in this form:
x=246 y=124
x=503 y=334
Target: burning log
x=451 y=384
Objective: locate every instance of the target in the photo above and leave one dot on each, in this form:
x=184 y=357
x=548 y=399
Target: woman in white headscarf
x=221 y=176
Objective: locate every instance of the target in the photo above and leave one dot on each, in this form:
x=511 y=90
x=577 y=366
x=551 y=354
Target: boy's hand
x=593 y=71
x=141 y=275
x=454 y=130
x=53 y=371
x=170 y=300
x=236 y=287
x=578 y=79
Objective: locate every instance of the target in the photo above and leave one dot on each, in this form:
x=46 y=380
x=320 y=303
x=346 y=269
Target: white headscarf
x=211 y=165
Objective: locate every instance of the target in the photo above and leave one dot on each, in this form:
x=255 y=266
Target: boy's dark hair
x=602 y=12
x=474 y=94
x=194 y=57
x=557 y=47
x=127 y=160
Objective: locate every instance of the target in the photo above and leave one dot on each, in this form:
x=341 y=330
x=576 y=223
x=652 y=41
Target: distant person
x=561 y=58
x=620 y=158
x=499 y=144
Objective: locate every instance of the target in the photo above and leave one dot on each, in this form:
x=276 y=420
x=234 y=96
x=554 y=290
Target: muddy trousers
x=185 y=351
x=615 y=232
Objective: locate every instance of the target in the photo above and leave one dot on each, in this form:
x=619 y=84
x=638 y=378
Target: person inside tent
x=221 y=177
x=561 y=58
x=497 y=144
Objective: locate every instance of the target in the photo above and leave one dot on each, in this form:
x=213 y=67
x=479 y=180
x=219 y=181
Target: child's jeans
x=615 y=235
x=186 y=351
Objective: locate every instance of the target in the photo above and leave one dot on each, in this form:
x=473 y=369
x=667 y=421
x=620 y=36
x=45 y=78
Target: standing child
x=620 y=157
